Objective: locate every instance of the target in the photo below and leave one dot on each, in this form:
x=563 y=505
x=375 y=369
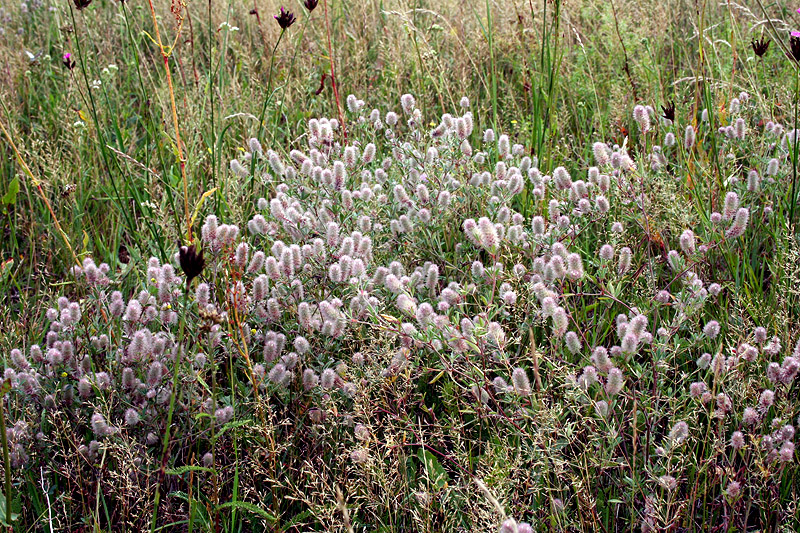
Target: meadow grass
x=556 y=289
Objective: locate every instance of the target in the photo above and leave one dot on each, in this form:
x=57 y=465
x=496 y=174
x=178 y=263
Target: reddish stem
x=333 y=73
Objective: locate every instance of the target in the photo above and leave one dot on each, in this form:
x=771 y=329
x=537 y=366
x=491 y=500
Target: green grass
x=114 y=161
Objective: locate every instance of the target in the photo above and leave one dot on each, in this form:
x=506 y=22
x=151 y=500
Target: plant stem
x=267 y=98
x=793 y=197
x=6 y=459
x=269 y=90
x=181 y=160
x=333 y=73
x=38 y=185
x=179 y=351
x=489 y=30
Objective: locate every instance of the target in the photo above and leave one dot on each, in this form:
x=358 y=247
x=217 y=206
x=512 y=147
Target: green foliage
x=556 y=77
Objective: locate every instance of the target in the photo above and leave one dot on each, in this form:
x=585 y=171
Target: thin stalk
x=793 y=198
x=269 y=86
x=165 y=56
x=489 y=32
x=211 y=99
x=38 y=185
x=6 y=459
x=267 y=98
x=701 y=57
x=333 y=73
x=179 y=350
x=292 y=62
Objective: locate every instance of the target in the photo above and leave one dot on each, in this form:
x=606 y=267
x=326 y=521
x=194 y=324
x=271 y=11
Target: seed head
x=772 y=167
x=794 y=44
x=786 y=453
x=697 y=389
x=642 y=118
x=624 y=260
x=767 y=398
x=131 y=417
x=760 y=46
x=68 y=61
x=600 y=359
x=615 y=382
x=753 y=181
x=679 y=432
x=100 y=427
x=750 y=416
x=328 y=378
x=285 y=18
x=408 y=103
x=669 y=111
x=560 y=321
x=687 y=242
x=522 y=385
x=711 y=330
x=573 y=342
x=688 y=138
x=601 y=156
x=192 y=263
x=734 y=489
x=739 y=223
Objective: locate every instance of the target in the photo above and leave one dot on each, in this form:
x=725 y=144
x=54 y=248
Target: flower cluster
x=442 y=263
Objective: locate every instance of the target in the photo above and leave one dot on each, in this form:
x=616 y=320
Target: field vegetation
x=399 y=265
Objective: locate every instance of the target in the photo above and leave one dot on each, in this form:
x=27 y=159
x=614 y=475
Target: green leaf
x=183 y=469
x=232 y=425
x=11 y=196
x=3 y=519
x=433 y=467
x=248 y=507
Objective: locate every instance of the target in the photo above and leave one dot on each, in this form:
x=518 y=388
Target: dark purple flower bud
x=311 y=5
x=760 y=47
x=794 y=44
x=68 y=62
x=285 y=18
x=669 y=111
x=192 y=263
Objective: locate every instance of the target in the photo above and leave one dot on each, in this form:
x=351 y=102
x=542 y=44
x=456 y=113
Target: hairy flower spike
x=601 y=156
x=688 y=138
x=522 y=385
x=488 y=234
x=739 y=225
x=625 y=256
x=711 y=329
x=615 y=382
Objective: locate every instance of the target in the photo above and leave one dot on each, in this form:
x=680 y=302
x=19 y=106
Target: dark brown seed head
x=760 y=46
x=123 y=255
x=669 y=111
x=192 y=262
x=794 y=44
x=285 y=18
